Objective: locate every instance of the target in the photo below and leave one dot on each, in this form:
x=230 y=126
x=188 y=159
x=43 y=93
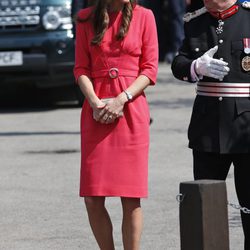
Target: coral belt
x=223 y=89
x=114 y=73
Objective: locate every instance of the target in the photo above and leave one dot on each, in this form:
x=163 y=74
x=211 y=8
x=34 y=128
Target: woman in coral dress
x=116 y=59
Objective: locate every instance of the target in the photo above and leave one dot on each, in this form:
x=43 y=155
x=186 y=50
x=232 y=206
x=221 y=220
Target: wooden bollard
x=204 y=215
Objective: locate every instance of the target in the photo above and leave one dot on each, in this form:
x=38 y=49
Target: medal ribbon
x=246 y=42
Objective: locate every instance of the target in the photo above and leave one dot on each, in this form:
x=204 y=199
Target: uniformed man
x=216 y=55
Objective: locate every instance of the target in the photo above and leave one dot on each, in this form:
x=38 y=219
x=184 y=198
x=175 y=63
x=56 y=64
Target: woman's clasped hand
x=108 y=112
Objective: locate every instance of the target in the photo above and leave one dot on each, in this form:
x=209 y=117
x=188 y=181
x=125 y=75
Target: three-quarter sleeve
x=150 y=51
x=82 y=55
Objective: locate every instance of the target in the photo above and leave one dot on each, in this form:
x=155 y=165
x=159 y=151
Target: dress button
x=220 y=98
x=221 y=41
x=197 y=49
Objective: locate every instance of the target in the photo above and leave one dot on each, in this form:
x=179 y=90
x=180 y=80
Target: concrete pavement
x=39 y=176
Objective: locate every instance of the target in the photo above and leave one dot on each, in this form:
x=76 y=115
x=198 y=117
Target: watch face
x=129 y=96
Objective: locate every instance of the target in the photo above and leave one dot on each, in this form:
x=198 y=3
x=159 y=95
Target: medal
x=245 y=62
x=219 y=29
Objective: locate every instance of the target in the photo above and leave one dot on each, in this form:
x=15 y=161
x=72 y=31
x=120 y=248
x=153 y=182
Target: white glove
x=206 y=65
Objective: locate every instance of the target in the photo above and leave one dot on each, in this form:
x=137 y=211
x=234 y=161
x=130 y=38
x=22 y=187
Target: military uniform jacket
x=220 y=125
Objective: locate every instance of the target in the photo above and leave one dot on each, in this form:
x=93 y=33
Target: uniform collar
x=225 y=13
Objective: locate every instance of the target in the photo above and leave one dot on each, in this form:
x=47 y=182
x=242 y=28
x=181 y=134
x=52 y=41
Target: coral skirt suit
x=114 y=157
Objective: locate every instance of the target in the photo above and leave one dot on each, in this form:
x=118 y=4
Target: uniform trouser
x=216 y=166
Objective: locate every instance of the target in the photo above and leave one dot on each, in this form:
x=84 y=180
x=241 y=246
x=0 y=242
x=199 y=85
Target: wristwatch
x=128 y=95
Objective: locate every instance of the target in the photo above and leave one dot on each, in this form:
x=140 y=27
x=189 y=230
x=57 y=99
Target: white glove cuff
x=194 y=76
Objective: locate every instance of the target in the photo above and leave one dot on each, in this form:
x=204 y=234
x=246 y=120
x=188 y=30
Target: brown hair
x=100 y=19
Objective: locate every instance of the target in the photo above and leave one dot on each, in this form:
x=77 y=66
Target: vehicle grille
x=19 y=14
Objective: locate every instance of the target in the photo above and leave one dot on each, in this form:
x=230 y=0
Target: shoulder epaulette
x=246 y=4
x=191 y=15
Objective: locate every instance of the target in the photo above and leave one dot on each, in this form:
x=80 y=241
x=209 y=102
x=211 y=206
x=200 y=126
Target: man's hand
x=206 y=65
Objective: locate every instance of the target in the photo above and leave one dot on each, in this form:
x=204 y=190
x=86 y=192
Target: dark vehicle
x=37 y=42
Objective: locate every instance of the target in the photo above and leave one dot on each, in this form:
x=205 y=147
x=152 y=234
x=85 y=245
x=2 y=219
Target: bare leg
x=132 y=223
x=100 y=222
